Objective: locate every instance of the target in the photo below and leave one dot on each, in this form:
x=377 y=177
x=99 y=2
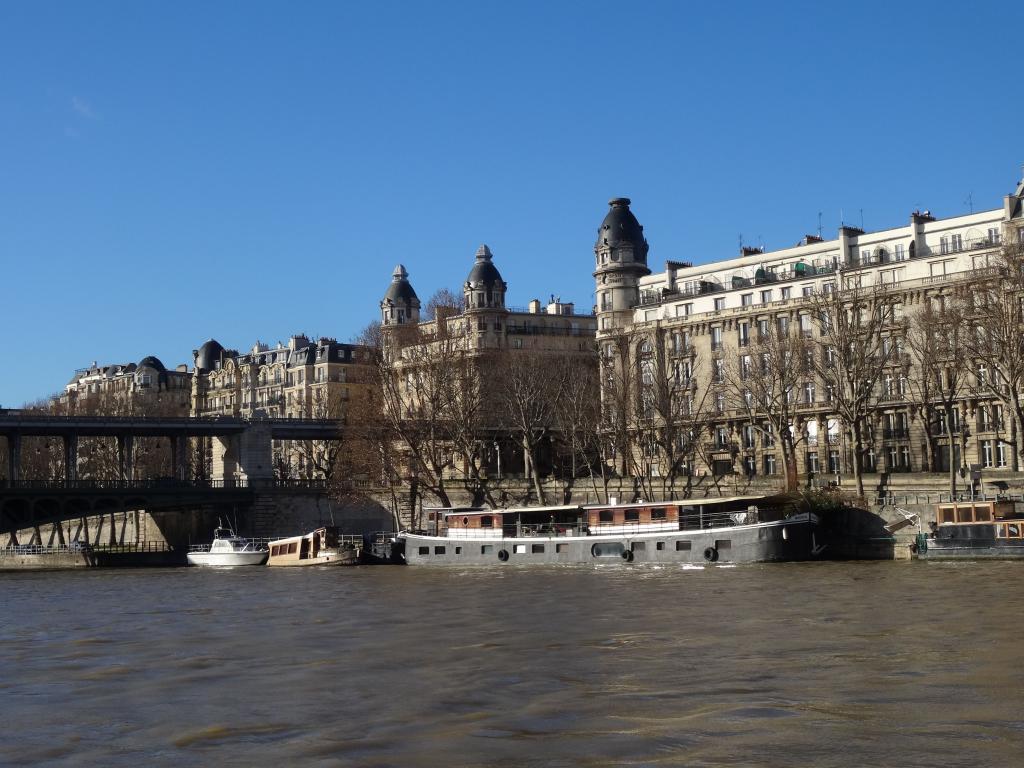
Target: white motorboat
x=228 y=549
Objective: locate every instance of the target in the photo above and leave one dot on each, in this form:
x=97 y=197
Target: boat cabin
x=633 y=518
x=966 y=512
x=530 y=521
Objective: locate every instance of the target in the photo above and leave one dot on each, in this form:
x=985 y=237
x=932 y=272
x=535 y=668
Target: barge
x=742 y=529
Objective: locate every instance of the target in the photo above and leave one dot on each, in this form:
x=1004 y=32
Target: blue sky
x=175 y=171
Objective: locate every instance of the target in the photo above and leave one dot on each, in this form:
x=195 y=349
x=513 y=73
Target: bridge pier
x=14 y=459
x=241 y=459
x=179 y=454
x=125 y=455
x=70 y=458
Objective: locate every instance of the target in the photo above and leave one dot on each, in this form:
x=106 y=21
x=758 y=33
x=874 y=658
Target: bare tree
x=443 y=299
x=578 y=416
x=855 y=318
x=996 y=346
x=671 y=417
x=764 y=382
x=936 y=348
x=419 y=370
x=530 y=387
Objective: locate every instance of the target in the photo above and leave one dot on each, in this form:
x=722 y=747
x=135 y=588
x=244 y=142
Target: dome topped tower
x=484 y=288
x=400 y=304
x=620 y=255
x=208 y=356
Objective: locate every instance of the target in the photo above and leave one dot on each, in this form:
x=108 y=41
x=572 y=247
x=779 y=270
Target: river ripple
x=826 y=664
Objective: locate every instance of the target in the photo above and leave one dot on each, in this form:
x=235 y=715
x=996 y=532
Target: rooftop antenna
x=819 y=224
x=970 y=200
x=741 y=241
x=842 y=219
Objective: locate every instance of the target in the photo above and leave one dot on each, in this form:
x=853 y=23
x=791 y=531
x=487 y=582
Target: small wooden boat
x=324 y=546
x=981 y=529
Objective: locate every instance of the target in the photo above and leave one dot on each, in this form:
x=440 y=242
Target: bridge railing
x=163 y=484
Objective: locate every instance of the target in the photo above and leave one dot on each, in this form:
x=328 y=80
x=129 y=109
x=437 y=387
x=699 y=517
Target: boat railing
x=688 y=521
x=255 y=544
x=82 y=547
x=944 y=497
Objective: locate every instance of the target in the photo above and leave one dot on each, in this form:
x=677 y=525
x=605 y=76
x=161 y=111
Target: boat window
x=487 y=549
x=639 y=546
x=632 y=515
x=439 y=550
x=537 y=549
x=964 y=515
x=486 y=521
x=458 y=550
x=606 y=516
x=560 y=548
x=465 y=521
x=519 y=549
x=721 y=544
x=608 y=549
x=983 y=514
x=683 y=546
x=424 y=550
x=661 y=545
x=1012 y=531
x=947 y=514
x=657 y=514
x=293 y=548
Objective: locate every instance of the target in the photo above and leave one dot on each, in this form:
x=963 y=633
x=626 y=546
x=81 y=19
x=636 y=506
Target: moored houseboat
x=324 y=546
x=741 y=529
x=973 y=530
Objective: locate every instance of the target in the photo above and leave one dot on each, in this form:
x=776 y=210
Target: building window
x=769 y=464
x=719 y=371
x=746 y=299
x=812 y=462
x=833 y=462
x=766 y=297
x=787 y=293
x=719 y=304
x=987 y=457
x=716 y=339
x=900 y=252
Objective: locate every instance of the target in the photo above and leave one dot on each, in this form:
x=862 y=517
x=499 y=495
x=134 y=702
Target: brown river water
x=824 y=664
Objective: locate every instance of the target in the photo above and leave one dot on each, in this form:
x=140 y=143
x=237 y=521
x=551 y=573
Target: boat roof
x=301 y=535
x=450 y=511
x=502 y=510
x=684 y=502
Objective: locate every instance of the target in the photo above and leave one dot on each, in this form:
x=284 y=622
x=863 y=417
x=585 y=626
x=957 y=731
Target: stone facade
x=126 y=388
x=702 y=318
